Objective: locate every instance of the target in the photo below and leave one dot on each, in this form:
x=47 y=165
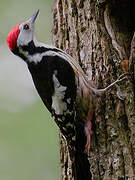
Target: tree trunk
x=99 y=34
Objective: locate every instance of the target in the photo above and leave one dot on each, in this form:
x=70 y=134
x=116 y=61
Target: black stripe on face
x=32 y=49
x=17 y=52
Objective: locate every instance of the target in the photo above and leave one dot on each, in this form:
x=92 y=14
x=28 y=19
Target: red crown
x=12 y=37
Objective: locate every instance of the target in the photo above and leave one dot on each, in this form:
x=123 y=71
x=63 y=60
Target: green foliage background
x=28 y=136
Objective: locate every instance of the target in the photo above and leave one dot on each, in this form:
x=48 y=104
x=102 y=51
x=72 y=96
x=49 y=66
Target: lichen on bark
x=100 y=35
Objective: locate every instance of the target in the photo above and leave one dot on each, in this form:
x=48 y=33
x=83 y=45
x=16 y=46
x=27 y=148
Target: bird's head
x=22 y=33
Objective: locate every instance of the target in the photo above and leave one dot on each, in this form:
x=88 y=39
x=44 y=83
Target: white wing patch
x=57 y=99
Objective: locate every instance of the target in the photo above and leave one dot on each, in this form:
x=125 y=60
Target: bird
x=64 y=88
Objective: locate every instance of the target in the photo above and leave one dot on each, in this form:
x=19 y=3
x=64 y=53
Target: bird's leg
x=88 y=131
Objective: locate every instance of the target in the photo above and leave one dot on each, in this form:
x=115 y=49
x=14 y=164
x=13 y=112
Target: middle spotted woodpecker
x=63 y=87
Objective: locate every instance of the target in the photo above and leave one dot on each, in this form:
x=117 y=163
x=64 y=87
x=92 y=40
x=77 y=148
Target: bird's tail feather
x=81 y=164
x=81 y=167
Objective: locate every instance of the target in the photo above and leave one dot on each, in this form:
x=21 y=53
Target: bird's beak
x=33 y=17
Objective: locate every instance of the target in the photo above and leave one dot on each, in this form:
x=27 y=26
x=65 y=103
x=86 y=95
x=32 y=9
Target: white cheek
x=24 y=38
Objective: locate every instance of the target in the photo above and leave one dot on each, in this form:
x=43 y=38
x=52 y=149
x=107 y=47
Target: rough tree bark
x=99 y=34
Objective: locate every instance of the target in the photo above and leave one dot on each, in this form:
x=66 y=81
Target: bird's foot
x=88 y=132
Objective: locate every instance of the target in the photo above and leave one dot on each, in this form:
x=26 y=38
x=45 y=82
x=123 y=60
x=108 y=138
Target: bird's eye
x=26 y=26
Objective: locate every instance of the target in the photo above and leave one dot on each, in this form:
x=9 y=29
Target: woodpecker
x=62 y=85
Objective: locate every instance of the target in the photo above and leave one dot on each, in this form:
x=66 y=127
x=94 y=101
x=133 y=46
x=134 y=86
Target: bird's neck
x=32 y=52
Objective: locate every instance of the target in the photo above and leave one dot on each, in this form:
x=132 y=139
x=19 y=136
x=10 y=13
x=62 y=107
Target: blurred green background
x=28 y=135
